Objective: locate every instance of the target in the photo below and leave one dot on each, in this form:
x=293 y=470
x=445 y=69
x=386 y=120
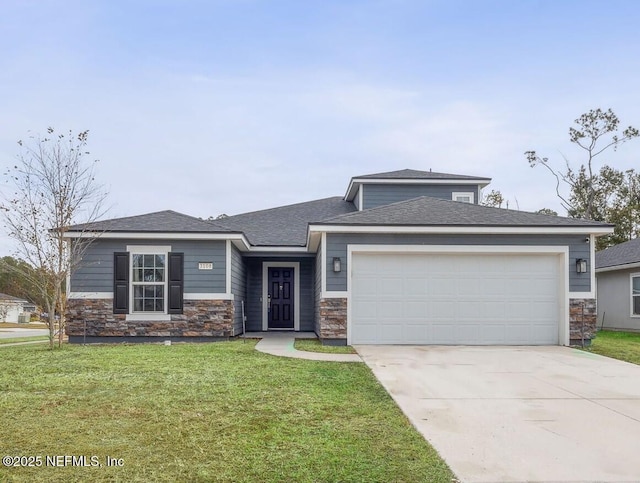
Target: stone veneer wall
x=332 y=319
x=582 y=325
x=200 y=318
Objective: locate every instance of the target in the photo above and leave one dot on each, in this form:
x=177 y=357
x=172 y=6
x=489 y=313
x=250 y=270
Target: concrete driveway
x=518 y=413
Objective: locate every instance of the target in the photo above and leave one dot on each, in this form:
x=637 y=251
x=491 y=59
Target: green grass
x=619 y=345
x=204 y=412
x=24 y=339
x=314 y=345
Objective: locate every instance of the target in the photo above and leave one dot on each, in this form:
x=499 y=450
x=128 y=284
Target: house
x=618 y=286
x=12 y=308
x=404 y=257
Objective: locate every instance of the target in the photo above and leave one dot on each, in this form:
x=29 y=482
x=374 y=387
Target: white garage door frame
x=561 y=251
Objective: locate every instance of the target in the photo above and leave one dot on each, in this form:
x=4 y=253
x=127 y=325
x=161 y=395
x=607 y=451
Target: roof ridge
x=414 y=173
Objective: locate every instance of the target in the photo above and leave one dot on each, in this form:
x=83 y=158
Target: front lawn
x=202 y=412
x=314 y=345
x=619 y=345
x=14 y=340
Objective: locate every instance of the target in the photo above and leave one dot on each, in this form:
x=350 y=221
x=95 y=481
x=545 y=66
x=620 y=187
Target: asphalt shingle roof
x=622 y=254
x=286 y=225
x=160 y=221
x=427 y=211
x=415 y=174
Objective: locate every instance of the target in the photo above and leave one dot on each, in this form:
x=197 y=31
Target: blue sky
x=210 y=107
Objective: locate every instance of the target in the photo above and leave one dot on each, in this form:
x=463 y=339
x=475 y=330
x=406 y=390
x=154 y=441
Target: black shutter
x=176 y=283
x=121 y=283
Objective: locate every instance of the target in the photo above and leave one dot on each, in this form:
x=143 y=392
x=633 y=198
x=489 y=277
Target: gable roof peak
x=418 y=174
x=412 y=176
x=157 y=221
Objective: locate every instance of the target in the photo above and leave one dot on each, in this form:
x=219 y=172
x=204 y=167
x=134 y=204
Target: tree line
x=592 y=189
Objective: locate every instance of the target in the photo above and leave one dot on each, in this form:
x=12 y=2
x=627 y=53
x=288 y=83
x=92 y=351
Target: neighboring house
x=618 y=277
x=12 y=307
x=405 y=257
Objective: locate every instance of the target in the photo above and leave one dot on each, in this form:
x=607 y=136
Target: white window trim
x=631 y=277
x=148 y=250
x=470 y=194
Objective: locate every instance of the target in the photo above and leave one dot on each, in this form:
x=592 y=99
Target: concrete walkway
x=281 y=344
x=15 y=332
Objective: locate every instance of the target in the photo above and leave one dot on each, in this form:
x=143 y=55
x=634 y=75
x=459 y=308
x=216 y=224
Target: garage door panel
x=416 y=309
x=467 y=334
x=405 y=298
x=389 y=309
x=365 y=308
x=418 y=333
x=442 y=334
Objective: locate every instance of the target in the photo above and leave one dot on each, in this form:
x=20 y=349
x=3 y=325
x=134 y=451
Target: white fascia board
x=626 y=266
x=156 y=235
x=356 y=182
x=242 y=245
x=279 y=249
x=313 y=240
x=489 y=230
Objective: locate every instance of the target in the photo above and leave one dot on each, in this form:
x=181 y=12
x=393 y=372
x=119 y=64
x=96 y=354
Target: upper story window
x=463 y=197
x=635 y=294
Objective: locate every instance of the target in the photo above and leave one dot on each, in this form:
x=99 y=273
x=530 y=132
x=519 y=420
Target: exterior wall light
x=581 y=265
x=337 y=264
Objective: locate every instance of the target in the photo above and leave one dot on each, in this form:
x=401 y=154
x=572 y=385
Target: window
x=149 y=282
x=463 y=197
x=635 y=294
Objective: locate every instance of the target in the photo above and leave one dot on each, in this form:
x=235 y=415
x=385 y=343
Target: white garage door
x=474 y=299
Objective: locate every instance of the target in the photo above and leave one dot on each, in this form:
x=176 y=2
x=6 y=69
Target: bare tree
x=494 y=199
x=4 y=311
x=596 y=132
x=54 y=188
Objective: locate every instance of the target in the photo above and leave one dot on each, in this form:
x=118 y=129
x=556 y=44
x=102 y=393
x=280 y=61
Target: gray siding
x=385 y=194
x=337 y=247
x=238 y=287
x=254 y=292
x=614 y=300
x=95 y=273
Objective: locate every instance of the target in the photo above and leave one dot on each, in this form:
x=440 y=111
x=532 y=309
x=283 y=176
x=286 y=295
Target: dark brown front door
x=280 y=295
